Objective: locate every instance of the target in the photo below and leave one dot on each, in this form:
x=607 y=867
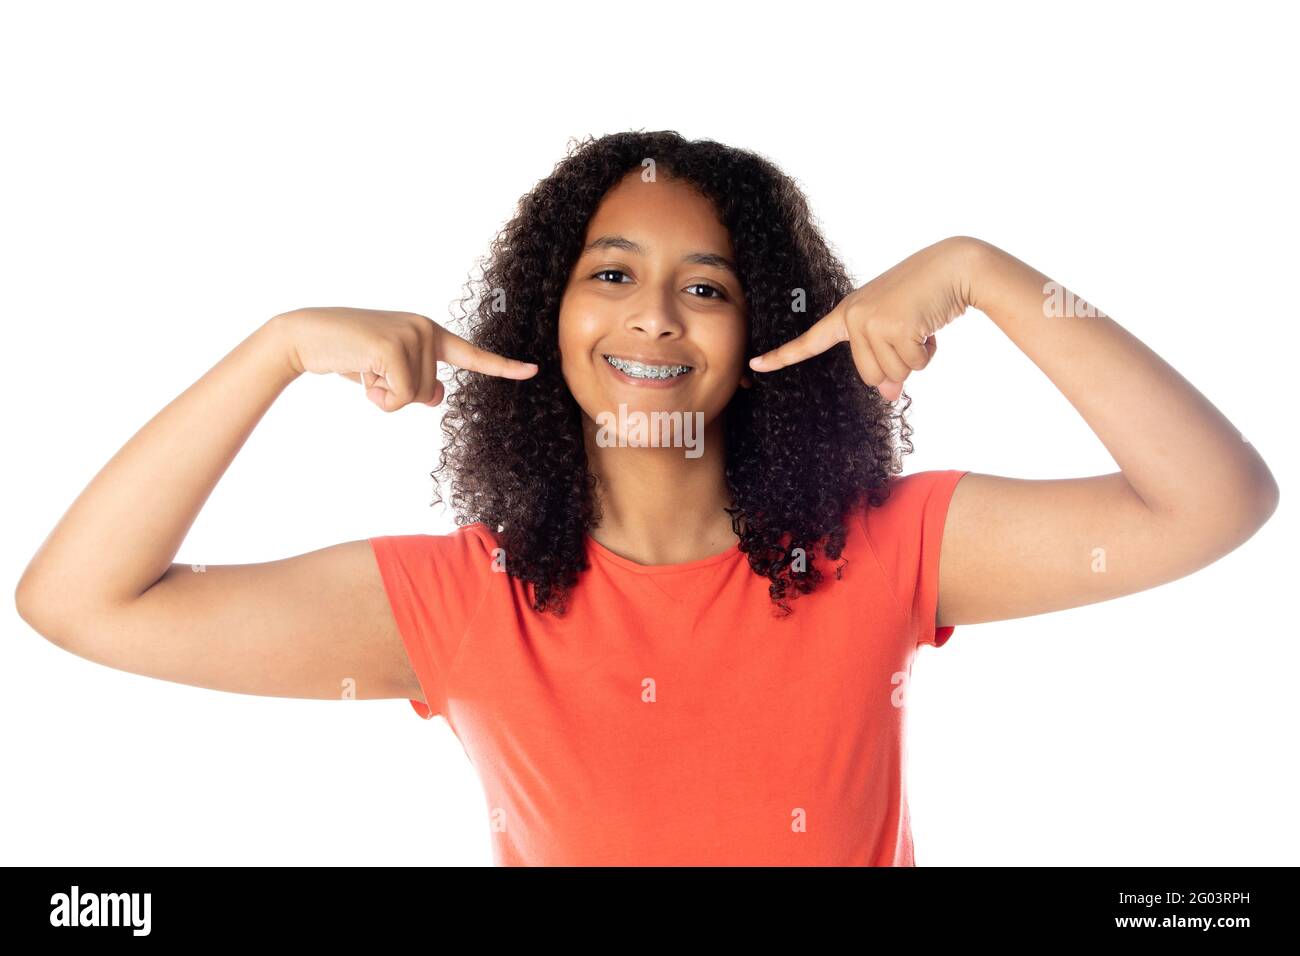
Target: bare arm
x=311 y=625
x=104 y=586
x=1190 y=489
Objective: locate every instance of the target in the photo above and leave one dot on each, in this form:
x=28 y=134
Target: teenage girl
x=653 y=656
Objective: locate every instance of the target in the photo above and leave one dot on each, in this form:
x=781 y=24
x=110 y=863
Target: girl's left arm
x=1191 y=487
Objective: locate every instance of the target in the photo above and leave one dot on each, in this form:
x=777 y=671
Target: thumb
x=438 y=393
x=377 y=390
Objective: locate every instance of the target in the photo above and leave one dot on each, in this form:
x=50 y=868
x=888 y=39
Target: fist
x=889 y=323
x=395 y=355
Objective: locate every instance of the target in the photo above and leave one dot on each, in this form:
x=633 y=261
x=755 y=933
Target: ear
x=746 y=380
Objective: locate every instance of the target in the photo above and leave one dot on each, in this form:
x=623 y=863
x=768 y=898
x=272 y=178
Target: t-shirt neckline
x=598 y=549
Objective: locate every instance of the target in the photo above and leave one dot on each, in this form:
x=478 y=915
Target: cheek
x=727 y=351
x=579 y=330
x=576 y=339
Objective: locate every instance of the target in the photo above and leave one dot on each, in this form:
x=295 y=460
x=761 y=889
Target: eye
x=716 y=293
x=719 y=294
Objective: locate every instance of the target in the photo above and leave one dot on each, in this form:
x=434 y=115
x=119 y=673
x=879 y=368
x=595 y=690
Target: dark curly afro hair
x=803 y=446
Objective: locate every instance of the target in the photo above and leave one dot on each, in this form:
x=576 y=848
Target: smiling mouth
x=646 y=371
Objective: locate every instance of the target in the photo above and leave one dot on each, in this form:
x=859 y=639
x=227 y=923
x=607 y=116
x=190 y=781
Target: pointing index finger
x=464 y=354
x=824 y=333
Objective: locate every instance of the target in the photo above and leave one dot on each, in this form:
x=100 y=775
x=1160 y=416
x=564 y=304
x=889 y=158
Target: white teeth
x=638 y=370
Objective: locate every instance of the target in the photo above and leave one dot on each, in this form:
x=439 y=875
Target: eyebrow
x=698 y=258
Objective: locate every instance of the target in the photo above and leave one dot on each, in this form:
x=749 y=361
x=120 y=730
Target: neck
x=659 y=506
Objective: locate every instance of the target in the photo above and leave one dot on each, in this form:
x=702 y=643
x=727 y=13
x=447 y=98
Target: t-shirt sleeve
x=905 y=534
x=435 y=585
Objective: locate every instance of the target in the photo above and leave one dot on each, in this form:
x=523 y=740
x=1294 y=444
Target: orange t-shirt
x=669 y=718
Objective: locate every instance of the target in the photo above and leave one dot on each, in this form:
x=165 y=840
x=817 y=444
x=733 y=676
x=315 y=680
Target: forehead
x=666 y=213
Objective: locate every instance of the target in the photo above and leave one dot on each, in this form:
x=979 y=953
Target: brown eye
x=719 y=294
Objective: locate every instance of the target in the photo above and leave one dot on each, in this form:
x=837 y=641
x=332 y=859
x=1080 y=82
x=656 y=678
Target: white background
x=175 y=174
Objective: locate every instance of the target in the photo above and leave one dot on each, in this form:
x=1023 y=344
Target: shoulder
x=910 y=511
x=467 y=546
x=477 y=537
x=906 y=504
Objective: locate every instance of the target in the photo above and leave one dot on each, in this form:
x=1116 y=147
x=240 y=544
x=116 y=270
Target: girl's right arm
x=103 y=585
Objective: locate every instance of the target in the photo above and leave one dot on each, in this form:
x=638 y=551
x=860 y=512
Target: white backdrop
x=173 y=175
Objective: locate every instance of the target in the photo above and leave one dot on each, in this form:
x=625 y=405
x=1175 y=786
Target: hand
x=395 y=355
x=889 y=323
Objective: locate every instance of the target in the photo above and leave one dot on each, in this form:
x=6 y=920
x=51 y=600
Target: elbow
x=23 y=600
x=34 y=608
x=1221 y=530
x=1273 y=495
x=1264 y=497
x=25 y=603
x=1261 y=503
x=1256 y=495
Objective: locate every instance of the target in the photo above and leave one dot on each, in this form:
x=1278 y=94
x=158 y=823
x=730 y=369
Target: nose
x=656 y=319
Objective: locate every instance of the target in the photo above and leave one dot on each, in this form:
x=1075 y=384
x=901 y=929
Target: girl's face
x=654 y=286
